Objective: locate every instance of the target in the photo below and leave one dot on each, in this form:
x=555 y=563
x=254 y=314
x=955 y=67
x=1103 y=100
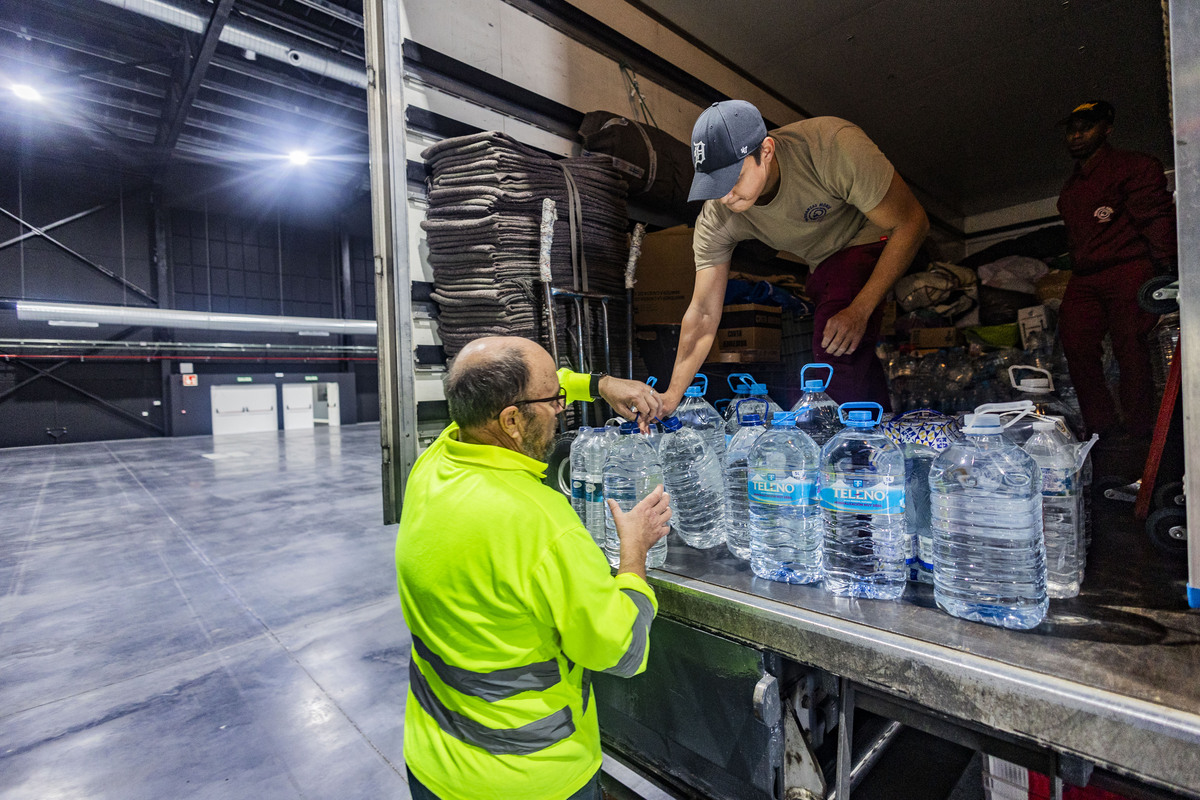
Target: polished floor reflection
x=200 y=617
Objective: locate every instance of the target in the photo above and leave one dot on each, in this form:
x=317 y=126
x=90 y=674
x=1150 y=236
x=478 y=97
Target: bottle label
x=1056 y=483
x=577 y=490
x=593 y=492
x=856 y=495
x=781 y=488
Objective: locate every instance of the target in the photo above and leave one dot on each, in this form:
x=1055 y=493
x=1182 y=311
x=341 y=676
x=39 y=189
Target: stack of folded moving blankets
x=485 y=208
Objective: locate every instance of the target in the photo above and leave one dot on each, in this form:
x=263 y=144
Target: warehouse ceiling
x=151 y=87
x=962 y=96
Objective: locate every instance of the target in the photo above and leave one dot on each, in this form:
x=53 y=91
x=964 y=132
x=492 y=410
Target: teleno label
x=781 y=487
x=857 y=496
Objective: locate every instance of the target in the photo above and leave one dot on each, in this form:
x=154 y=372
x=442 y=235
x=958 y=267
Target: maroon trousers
x=837 y=280
x=1100 y=303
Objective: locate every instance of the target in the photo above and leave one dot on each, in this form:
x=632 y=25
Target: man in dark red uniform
x=1120 y=222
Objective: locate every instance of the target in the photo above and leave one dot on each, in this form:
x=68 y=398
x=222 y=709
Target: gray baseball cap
x=723 y=136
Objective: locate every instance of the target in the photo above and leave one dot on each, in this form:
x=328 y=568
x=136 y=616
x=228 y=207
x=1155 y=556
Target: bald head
x=490 y=374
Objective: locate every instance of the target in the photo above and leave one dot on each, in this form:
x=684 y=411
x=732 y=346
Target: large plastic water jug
x=989 y=555
x=862 y=507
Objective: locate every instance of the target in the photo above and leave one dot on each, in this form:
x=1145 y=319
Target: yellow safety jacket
x=510 y=604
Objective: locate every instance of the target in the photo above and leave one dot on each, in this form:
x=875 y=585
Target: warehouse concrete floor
x=200 y=617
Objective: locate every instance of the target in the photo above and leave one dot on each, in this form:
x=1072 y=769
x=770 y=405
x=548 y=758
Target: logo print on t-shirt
x=697 y=154
x=815 y=212
x=1103 y=214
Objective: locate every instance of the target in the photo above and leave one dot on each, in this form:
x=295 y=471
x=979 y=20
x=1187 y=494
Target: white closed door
x=333 y=409
x=243 y=409
x=297 y=405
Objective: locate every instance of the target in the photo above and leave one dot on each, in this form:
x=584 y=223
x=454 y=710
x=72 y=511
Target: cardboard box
x=748 y=333
x=666 y=274
x=935 y=338
x=1032 y=320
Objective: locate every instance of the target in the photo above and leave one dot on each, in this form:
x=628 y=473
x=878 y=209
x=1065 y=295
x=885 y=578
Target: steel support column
x=1185 y=82
x=383 y=21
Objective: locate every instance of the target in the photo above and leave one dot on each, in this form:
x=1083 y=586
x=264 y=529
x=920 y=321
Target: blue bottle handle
x=744 y=379
x=737 y=408
x=652 y=381
x=859 y=406
x=703 y=385
x=719 y=405
x=819 y=365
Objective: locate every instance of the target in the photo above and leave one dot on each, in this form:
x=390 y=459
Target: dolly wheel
x=1167 y=529
x=1147 y=300
x=558 y=473
x=1169 y=495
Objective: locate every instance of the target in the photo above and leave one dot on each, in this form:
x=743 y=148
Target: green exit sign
x=244 y=380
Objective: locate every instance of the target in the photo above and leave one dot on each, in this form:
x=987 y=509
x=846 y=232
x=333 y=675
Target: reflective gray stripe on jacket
x=522 y=741
x=631 y=662
x=495 y=685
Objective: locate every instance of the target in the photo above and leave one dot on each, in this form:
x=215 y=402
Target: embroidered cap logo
x=697 y=154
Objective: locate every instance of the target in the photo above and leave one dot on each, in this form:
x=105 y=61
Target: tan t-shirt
x=829 y=174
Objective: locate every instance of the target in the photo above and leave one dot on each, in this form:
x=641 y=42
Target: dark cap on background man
x=723 y=136
x=1093 y=112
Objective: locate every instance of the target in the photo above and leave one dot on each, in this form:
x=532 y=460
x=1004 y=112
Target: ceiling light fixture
x=26 y=92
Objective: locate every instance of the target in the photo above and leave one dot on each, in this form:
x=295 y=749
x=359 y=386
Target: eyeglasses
x=561 y=397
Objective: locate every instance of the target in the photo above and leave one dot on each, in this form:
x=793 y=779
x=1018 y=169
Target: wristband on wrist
x=594 y=385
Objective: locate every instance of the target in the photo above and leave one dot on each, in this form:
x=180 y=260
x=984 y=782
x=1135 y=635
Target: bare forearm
x=695 y=340
x=633 y=562
x=894 y=261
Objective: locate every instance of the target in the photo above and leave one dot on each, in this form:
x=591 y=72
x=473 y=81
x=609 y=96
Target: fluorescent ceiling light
x=298 y=157
x=69 y=323
x=26 y=92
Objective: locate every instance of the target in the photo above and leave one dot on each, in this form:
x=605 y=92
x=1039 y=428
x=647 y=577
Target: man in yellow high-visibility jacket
x=509 y=601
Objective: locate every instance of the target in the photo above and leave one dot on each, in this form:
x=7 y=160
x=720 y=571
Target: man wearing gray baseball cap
x=821 y=190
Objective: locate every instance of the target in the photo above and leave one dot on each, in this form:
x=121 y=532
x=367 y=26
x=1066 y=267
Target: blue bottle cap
x=750 y=420
x=815 y=385
x=698 y=389
x=671 y=423
x=584 y=429
x=783 y=419
x=628 y=428
x=860 y=419
x=758 y=389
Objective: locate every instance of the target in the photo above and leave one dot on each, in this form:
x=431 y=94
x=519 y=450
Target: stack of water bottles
x=995 y=524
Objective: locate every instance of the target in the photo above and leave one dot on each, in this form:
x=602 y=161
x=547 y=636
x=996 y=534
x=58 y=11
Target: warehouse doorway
x=308 y=405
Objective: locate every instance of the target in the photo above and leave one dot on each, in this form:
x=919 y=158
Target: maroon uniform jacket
x=1117 y=210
